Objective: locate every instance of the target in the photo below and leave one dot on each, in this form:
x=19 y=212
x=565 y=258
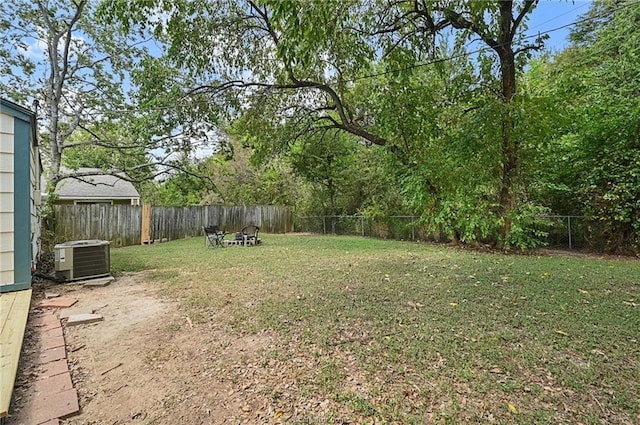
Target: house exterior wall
x=6 y=199
x=19 y=197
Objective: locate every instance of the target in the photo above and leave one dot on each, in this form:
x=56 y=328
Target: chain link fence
x=571 y=232
x=568 y=231
x=400 y=227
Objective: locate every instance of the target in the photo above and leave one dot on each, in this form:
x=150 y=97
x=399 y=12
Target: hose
x=49 y=277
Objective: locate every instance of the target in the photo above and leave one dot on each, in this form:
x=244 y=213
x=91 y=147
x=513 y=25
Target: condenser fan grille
x=89 y=261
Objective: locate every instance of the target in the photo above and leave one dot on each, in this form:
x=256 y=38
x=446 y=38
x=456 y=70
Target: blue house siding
x=19 y=154
x=22 y=206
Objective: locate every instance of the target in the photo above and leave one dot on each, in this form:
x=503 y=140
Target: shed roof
x=12 y=108
x=100 y=186
x=17 y=111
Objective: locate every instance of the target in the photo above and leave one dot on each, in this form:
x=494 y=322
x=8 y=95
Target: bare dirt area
x=146 y=363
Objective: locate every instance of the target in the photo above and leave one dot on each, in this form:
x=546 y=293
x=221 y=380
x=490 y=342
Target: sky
x=549 y=15
x=552 y=14
x=555 y=16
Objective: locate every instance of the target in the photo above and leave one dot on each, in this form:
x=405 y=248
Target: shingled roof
x=96 y=187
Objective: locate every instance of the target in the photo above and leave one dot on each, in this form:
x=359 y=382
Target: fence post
x=413 y=228
x=569 y=229
x=324 y=225
x=362 y=224
x=146 y=225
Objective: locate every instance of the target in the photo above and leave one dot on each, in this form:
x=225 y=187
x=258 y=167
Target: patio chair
x=213 y=237
x=249 y=235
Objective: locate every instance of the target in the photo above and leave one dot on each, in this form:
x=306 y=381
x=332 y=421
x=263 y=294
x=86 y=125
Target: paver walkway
x=53 y=396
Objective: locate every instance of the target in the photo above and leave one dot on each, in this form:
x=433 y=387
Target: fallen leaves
x=414 y=306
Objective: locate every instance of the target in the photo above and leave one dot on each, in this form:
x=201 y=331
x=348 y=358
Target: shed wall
x=6 y=199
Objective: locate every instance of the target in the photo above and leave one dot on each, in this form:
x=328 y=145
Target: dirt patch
x=148 y=363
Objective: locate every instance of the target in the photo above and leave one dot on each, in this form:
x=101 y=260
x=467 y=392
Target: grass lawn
x=398 y=332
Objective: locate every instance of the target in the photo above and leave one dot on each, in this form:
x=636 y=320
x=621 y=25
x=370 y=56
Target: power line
x=560 y=16
x=485 y=49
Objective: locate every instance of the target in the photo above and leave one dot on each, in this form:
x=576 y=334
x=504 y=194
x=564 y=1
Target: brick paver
x=48 y=342
x=52 y=354
x=53 y=332
x=46 y=321
x=59 y=302
x=53 y=368
x=53 y=384
x=53 y=406
x=54 y=397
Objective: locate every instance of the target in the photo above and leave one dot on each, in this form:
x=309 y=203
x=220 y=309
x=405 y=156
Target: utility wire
x=584 y=3
x=486 y=49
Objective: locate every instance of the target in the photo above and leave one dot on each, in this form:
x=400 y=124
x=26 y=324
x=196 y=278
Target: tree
x=73 y=79
x=325 y=163
x=299 y=61
x=595 y=166
x=77 y=69
x=241 y=181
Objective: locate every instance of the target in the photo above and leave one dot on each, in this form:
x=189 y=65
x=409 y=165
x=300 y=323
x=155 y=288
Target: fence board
x=122 y=224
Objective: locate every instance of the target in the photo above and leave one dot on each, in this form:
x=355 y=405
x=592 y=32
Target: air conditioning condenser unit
x=86 y=259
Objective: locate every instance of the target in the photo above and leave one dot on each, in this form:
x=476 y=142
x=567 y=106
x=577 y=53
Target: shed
x=20 y=170
x=98 y=188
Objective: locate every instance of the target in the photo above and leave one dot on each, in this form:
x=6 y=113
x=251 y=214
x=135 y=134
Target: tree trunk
x=54 y=151
x=503 y=46
x=509 y=144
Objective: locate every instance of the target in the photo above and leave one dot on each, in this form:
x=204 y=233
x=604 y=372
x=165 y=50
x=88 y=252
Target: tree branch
x=528 y=5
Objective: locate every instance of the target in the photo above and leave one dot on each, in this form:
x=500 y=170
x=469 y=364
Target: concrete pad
x=75 y=311
x=51 y=355
x=97 y=283
x=87 y=306
x=83 y=319
x=54 y=368
x=59 y=302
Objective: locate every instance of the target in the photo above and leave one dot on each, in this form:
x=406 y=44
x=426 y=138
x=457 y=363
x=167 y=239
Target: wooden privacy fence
x=131 y=225
x=119 y=224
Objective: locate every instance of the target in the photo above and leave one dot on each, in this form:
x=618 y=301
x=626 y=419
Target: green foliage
x=307 y=86
x=180 y=190
x=241 y=182
x=120 y=153
x=529 y=226
x=593 y=163
x=327 y=163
